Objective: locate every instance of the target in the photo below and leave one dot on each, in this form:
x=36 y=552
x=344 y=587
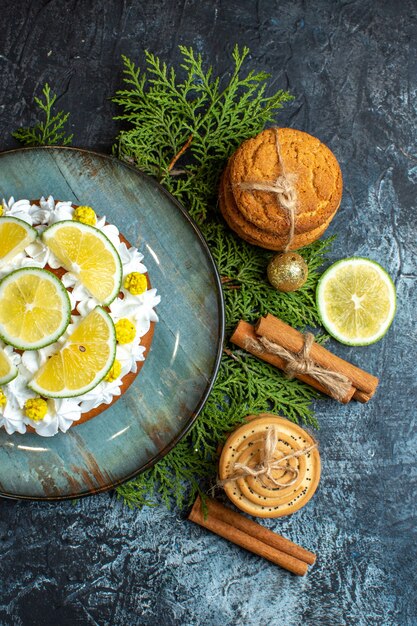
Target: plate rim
x=220 y=340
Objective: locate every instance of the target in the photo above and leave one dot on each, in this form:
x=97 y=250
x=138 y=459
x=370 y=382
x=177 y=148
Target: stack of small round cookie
x=258 y=216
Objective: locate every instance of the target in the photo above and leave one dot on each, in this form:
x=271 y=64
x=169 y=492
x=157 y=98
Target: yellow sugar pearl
x=136 y=283
x=86 y=215
x=1 y=211
x=3 y=399
x=125 y=331
x=114 y=372
x=36 y=409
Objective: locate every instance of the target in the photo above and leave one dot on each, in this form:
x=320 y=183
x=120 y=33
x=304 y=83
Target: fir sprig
x=47 y=132
x=181 y=129
x=247 y=293
x=244 y=386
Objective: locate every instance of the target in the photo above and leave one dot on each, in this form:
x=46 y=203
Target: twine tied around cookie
x=284 y=188
x=268 y=463
x=301 y=363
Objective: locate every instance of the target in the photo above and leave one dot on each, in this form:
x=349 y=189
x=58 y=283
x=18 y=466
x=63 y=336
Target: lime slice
x=35 y=309
x=356 y=300
x=82 y=362
x=8 y=371
x=84 y=251
x=15 y=236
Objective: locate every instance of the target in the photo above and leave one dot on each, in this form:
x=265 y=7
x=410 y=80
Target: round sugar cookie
x=259 y=496
x=318 y=179
x=254 y=235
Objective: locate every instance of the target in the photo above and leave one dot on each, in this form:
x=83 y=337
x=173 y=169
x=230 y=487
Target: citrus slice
x=35 y=309
x=85 y=252
x=15 y=236
x=8 y=371
x=356 y=300
x=82 y=362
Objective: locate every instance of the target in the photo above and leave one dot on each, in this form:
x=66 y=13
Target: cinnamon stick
x=245 y=337
x=217 y=509
x=278 y=332
x=361 y=396
x=245 y=540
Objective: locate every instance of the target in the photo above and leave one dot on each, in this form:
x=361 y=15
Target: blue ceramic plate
x=180 y=368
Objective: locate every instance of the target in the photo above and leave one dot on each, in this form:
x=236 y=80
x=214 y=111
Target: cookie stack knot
x=281 y=189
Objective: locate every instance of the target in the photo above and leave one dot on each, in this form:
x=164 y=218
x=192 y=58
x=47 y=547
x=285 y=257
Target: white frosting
x=138 y=309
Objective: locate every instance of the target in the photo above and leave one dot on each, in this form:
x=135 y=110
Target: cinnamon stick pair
x=246 y=336
x=252 y=536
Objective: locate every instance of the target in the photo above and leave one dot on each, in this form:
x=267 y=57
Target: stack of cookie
x=281 y=217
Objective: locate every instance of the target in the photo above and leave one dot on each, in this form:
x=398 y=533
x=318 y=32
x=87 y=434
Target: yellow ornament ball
x=287 y=272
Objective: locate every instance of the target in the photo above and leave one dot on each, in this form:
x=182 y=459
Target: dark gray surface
x=352 y=67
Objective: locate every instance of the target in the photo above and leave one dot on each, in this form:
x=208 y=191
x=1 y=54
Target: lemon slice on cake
x=8 y=371
x=87 y=253
x=356 y=300
x=35 y=309
x=82 y=362
x=15 y=236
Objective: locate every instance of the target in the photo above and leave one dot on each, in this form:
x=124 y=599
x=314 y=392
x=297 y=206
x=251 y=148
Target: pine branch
x=165 y=110
x=182 y=129
x=49 y=132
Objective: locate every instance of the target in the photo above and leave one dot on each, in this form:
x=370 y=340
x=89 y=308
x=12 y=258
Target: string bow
x=301 y=363
x=284 y=188
x=269 y=463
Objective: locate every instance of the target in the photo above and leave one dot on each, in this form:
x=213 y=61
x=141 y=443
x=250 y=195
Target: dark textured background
x=352 y=67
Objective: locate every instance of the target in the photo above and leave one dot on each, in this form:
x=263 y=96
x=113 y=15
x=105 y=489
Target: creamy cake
x=132 y=312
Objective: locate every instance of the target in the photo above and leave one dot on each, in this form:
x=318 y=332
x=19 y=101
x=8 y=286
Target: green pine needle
x=49 y=132
x=196 y=111
x=182 y=129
